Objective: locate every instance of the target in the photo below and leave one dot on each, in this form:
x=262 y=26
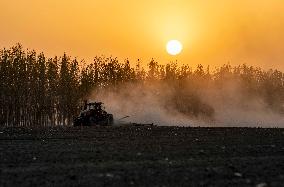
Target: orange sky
x=212 y=32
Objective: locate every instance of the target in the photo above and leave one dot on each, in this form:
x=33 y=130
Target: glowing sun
x=174 y=47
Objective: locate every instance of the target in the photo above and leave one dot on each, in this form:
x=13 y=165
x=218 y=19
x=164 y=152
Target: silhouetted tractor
x=93 y=114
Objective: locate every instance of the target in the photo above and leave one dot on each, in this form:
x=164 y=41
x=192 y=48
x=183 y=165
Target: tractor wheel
x=92 y=121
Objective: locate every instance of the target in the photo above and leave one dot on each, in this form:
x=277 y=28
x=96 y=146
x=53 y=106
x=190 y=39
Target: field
x=141 y=156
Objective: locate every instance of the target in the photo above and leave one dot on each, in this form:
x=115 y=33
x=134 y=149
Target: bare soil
x=141 y=156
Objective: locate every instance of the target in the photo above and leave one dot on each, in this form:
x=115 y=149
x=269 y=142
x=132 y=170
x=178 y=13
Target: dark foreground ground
x=141 y=156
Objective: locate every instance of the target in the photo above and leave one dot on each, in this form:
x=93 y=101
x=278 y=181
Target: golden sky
x=213 y=32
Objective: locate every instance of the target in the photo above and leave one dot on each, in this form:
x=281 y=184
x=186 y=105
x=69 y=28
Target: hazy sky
x=212 y=32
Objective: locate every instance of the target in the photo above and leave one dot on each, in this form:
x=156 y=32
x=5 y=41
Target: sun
x=174 y=47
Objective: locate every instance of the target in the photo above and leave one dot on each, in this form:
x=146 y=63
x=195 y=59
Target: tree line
x=39 y=91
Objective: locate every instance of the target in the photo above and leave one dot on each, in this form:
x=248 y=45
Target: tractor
x=93 y=114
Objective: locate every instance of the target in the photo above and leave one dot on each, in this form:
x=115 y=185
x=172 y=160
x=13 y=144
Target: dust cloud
x=153 y=103
x=142 y=103
x=234 y=107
